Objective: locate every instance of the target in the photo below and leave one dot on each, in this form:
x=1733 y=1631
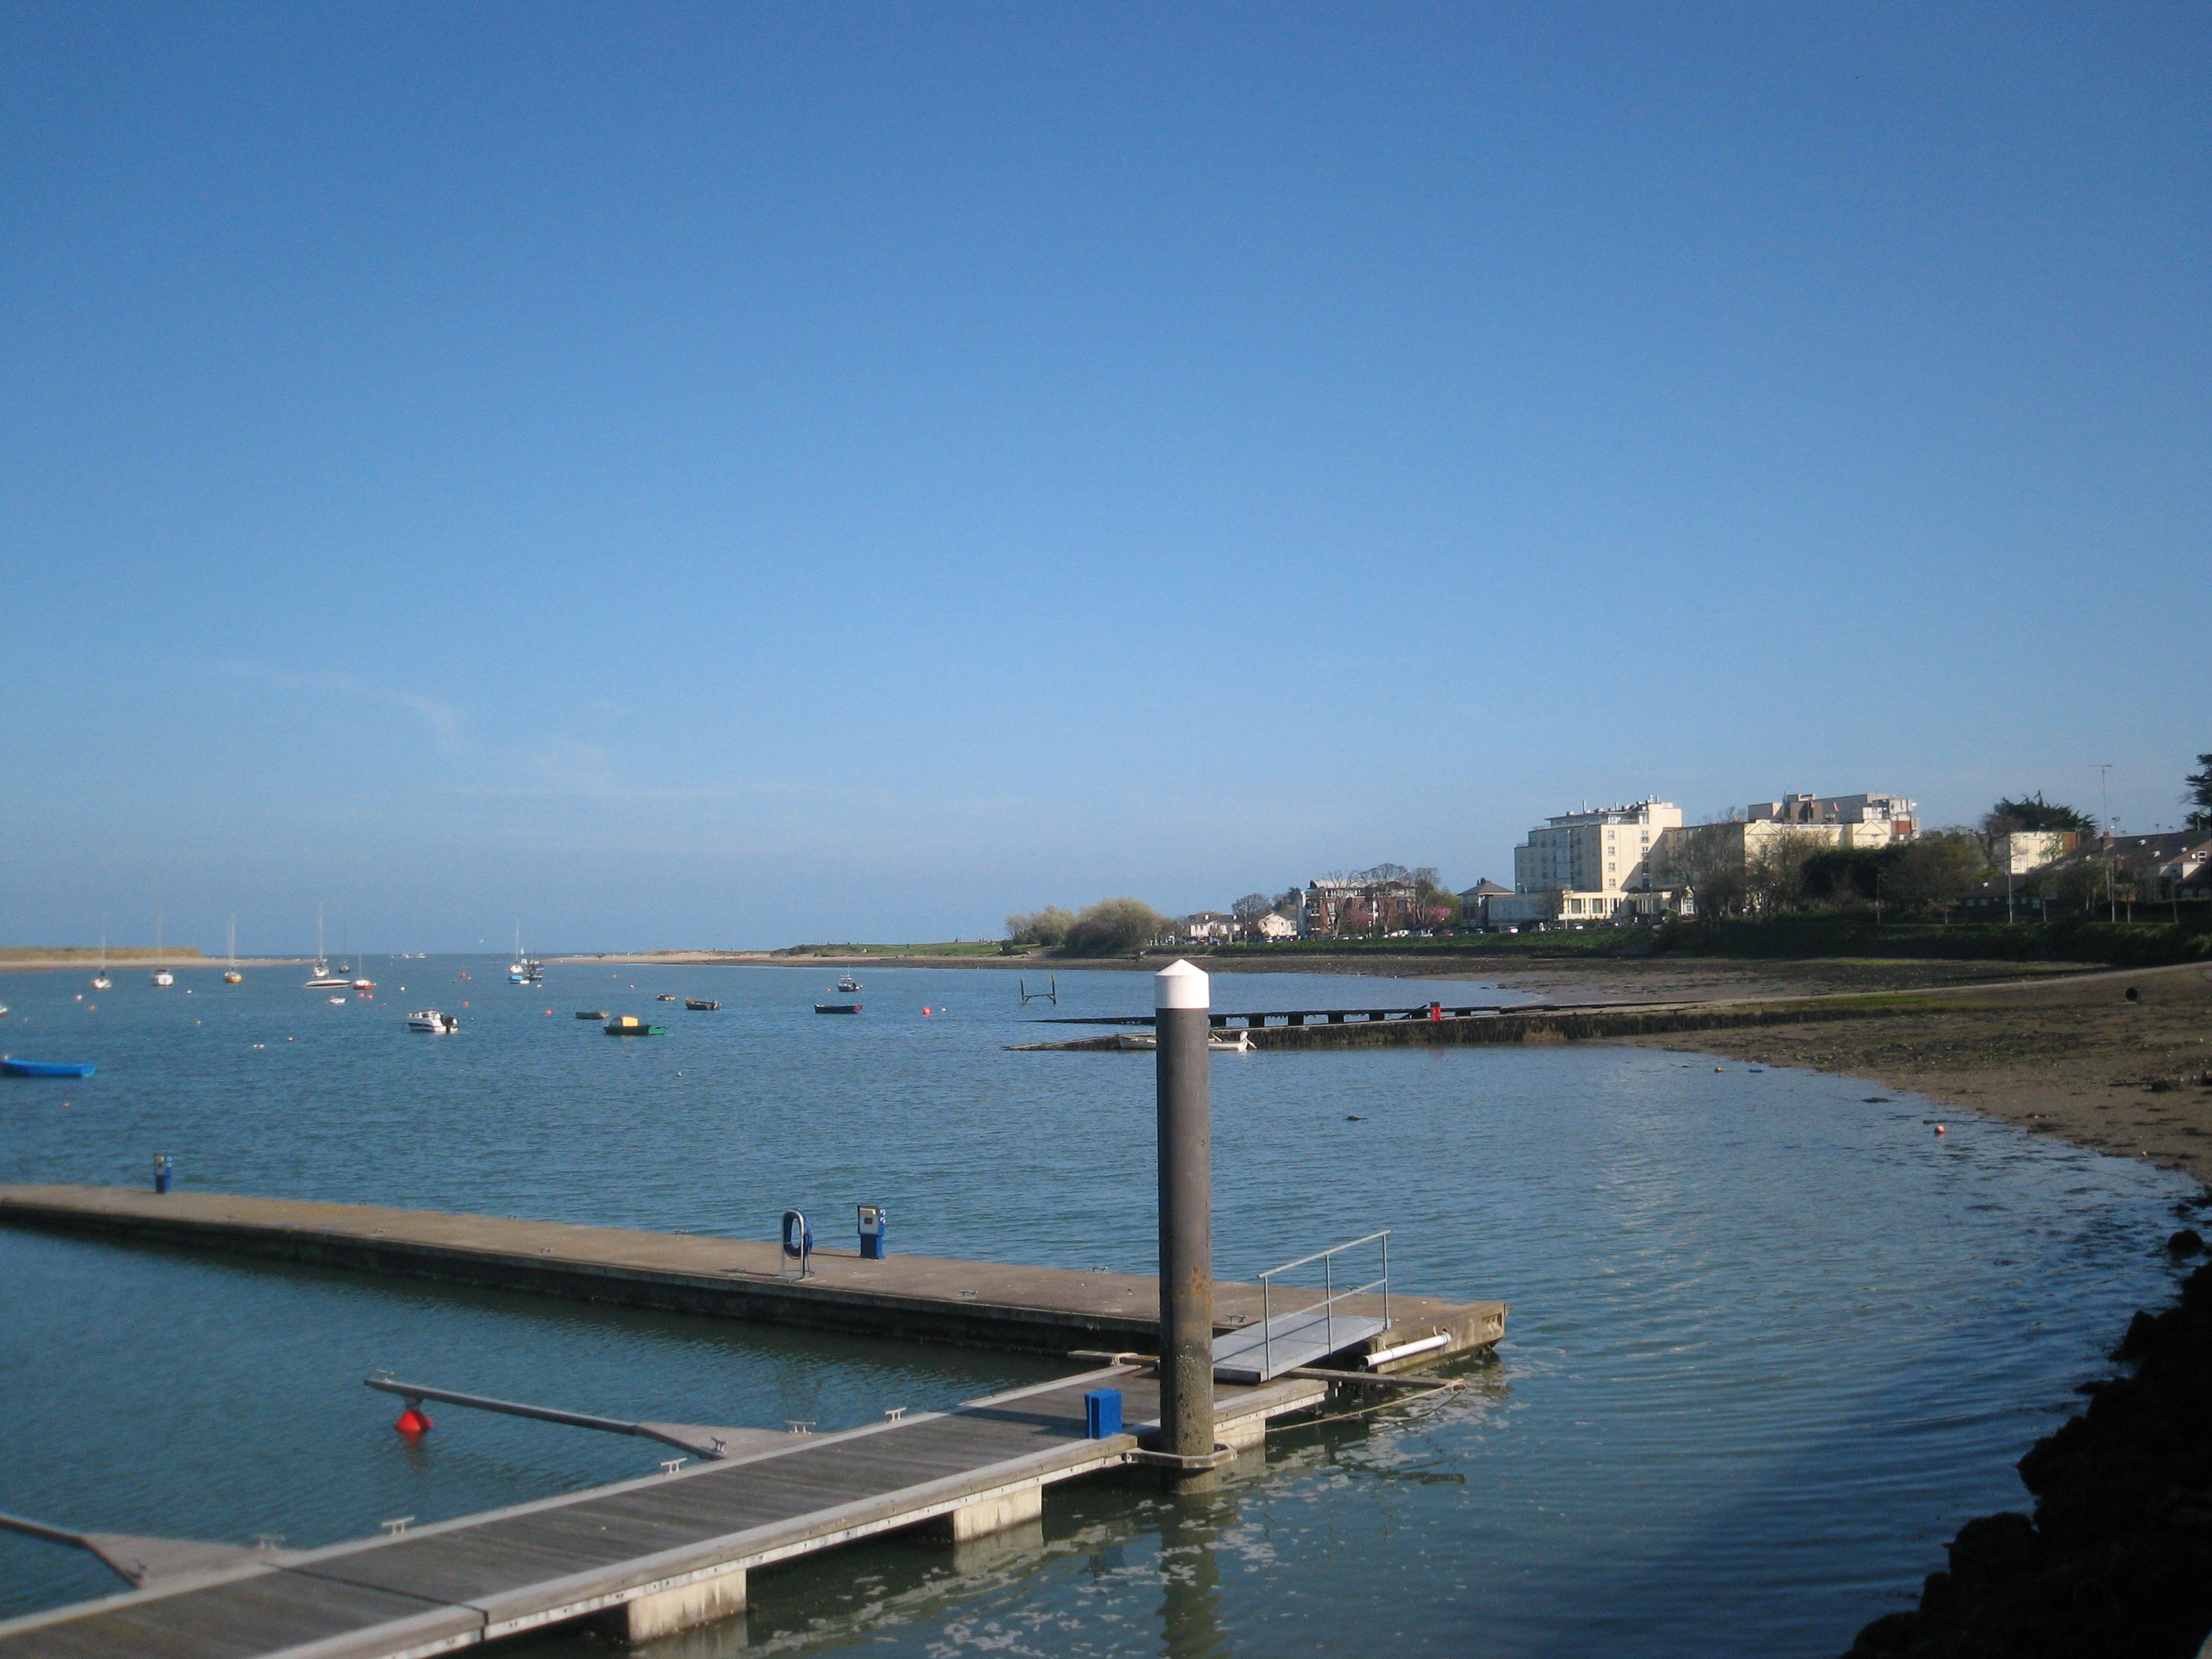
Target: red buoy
x=413 y=1422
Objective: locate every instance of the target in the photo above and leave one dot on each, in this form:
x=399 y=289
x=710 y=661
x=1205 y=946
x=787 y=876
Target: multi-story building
x=1591 y=865
x=1693 y=856
x=1606 y=850
x=2023 y=850
x=1894 y=813
x=1339 y=905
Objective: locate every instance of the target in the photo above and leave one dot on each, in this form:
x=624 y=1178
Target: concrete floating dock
x=651 y=1556
x=976 y=1303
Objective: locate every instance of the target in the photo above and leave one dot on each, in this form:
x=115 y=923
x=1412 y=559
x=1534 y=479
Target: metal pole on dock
x=1181 y=998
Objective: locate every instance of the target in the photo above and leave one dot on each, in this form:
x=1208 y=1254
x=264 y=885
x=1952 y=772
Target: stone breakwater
x=2116 y=1558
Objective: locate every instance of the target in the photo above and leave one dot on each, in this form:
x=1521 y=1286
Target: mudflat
x=2080 y=1059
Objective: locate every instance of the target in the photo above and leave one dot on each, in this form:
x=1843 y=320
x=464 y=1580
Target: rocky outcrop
x=2116 y=1558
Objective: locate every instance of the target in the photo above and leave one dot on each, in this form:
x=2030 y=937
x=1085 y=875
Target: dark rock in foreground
x=2116 y=1560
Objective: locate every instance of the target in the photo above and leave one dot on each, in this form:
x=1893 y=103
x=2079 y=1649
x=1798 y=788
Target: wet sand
x=2078 y=1060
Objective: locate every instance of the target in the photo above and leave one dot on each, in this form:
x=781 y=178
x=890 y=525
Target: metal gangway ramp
x=1304 y=1335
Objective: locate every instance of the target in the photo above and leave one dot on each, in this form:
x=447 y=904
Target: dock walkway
x=652 y=1555
x=978 y=1303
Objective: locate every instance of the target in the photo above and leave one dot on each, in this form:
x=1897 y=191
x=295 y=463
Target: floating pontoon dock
x=978 y=1303
x=651 y=1556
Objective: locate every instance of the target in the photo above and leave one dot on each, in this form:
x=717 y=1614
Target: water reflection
x=1770 y=1341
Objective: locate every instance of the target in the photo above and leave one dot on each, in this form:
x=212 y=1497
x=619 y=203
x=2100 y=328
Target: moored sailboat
x=323 y=979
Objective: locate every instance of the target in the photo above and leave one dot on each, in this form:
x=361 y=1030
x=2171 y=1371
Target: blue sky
x=686 y=474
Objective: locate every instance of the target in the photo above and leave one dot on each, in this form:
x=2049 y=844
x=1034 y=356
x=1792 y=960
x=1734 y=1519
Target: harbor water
x=1772 y=1339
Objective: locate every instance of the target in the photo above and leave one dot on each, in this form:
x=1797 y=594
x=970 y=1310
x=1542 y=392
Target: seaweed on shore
x=2116 y=1558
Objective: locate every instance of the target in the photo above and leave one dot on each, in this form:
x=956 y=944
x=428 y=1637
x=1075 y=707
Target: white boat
x=323 y=979
x=101 y=981
x=430 y=1019
x=338 y=1002
x=163 y=977
x=230 y=974
x=848 y=985
x=524 y=970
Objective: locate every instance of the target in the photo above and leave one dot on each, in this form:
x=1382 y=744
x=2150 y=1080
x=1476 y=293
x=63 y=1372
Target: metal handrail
x=1330 y=1295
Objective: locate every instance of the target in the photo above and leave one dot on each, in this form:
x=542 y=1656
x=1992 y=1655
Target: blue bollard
x=875 y=1222
x=161 y=1172
x=1102 y=1413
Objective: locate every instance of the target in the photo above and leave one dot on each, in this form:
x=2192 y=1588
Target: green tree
x=1048 y=926
x=1112 y=928
x=2200 y=794
x=1774 y=873
x=1935 y=870
x=2034 y=812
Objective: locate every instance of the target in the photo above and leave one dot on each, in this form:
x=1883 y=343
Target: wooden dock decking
x=655 y=1554
x=984 y=1304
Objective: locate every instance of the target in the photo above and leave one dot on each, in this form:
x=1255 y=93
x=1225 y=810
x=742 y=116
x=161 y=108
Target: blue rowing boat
x=46 y=1068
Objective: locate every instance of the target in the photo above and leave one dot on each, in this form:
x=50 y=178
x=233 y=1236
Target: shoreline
x=2083 y=1061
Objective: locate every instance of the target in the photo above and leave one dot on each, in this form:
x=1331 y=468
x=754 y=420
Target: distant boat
x=837 y=1007
x=850 y=986
x=338 y=1002
x=163 y=977
x=593 y=1013
x=666 y=996
x=46 y=1068
x=323 y=979
x=524 y=970
x=230 y=974
x=430 y=1019
x=101 y=981
x=700 y=1005
x=631 y=1025
x=3 y=1010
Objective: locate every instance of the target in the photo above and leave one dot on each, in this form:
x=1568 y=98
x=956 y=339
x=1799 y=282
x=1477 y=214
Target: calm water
x=1770 y=1344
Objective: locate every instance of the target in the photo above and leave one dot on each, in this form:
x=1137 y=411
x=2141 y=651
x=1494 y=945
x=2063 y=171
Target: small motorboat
x=162 y=976
x=367 y=985
x=430 y=1019
x=700 y=1005
x=837 y=1007
x=338 y=1002
x=850 y=986
x=631 y=1025
x=593 y=1013
x=666 y=996
x=324 y=980
x=45 y=1068
x=1136 y=1040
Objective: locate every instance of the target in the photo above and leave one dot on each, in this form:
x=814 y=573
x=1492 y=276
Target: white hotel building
x=1590 y=866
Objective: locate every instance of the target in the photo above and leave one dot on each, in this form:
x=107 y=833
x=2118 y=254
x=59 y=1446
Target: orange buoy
x=1939 y=1128
x=413 y=1422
